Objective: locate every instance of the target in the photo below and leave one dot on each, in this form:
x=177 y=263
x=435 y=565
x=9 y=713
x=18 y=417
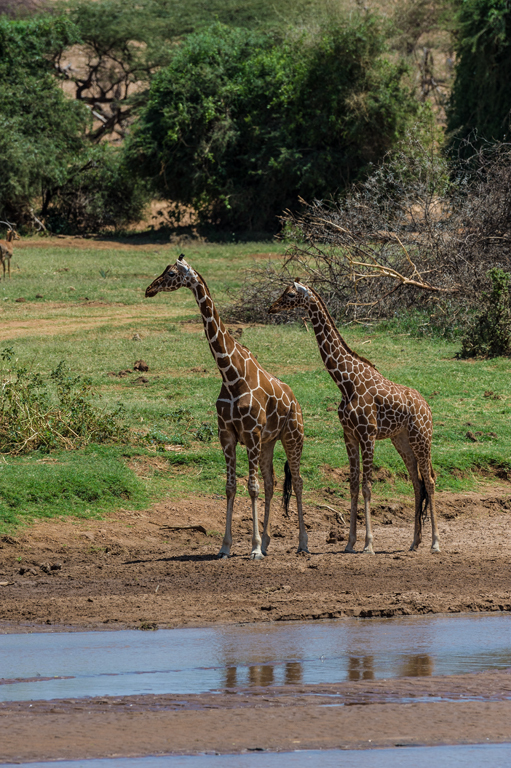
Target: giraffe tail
x=288 y=488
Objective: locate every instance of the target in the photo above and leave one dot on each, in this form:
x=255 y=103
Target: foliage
x=47 y=162
x=489 y=335
x=40 y=129
x=239 y=127
x=98 y=193
x=123 y=43
x=480 y=102
x=55 y=411
x=419 y=234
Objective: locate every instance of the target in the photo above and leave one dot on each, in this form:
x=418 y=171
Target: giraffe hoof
x=257 y=556
x=305 y=550
x=435 y=549
x=349 y=549
x=222 y=556
x=368 y=551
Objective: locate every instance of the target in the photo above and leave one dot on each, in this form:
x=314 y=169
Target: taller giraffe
x=372 y=408
x=254 y=408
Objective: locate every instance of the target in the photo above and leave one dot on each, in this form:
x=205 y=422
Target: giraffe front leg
x=253 y=452
x=228 y=442
x=352 y=448
x=367 y=469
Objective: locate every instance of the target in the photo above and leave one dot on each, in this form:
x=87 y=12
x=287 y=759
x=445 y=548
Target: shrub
x=239 y=125
x=419 y=235
x=40 y=412
x=489 y=335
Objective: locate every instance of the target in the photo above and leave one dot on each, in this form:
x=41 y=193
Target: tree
x=240 y=125
x=49 y=168
x=480 y=104
x=40 y=129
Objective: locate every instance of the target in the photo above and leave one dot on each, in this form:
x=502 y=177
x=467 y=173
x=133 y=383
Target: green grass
x=167 y=414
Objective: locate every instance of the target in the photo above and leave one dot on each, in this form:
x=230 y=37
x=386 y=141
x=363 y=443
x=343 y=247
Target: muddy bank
x=158 y=568
x=367 y=715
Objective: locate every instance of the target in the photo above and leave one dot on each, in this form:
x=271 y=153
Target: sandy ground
x=154 y=569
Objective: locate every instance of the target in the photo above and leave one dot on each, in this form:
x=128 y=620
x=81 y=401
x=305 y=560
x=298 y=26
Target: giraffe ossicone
x=372 y=408
x=254 y=409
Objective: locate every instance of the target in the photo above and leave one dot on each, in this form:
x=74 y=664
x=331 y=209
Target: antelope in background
x=6 y=247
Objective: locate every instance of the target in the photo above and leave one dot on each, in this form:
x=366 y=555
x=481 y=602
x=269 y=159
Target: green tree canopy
x=480 y=105
x=239 y=127
x=40 y=129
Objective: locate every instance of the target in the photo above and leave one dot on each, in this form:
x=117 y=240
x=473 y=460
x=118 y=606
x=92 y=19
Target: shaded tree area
x=240 y=125
x=480 y=104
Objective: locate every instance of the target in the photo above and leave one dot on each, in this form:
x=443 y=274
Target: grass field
x=93 y=309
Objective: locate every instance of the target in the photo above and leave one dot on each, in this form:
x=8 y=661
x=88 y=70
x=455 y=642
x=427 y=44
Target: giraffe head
x=295 y=295
x=176 y=276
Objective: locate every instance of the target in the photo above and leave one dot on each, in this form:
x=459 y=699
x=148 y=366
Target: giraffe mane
x=344 y=344
x=226 y=330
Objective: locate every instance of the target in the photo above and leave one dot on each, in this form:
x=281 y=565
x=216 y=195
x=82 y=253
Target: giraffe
x=372 y=408
x=254 y=408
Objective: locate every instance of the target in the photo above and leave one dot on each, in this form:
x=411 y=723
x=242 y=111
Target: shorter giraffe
x=372 y=408
x=254 y=409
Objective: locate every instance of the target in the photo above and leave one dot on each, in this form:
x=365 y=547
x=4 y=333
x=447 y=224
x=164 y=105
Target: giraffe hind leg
x=402 y=445
x=292 y=440
x=353 y=451
x=266 y=466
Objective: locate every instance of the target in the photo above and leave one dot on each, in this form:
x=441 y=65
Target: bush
x=55 y=411
x=239 y=125
x=101 y=192
x=421 y=235
x=489 y=335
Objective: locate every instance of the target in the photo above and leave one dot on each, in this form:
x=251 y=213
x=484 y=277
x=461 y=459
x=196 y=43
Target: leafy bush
x=480 y=102
x=489 y=335
x=40 y=129
x=240 y=127
x=55 y=411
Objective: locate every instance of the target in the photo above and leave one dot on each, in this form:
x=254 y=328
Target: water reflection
x=294 y=672
x=361 y=668
x=417 y=666
x=195 y=660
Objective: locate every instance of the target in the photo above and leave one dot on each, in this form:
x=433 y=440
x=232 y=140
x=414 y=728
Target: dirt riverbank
x=159 y=568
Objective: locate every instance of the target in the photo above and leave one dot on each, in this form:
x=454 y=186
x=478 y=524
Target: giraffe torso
x=254 y=400
x=380 y=408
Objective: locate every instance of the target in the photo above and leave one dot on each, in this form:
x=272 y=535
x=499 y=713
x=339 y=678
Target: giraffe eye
x=291 y=295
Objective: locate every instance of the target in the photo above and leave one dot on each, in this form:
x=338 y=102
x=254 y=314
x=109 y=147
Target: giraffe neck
x=342 y=365
x=220 y=341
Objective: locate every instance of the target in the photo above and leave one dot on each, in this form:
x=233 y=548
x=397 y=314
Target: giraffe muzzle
x=152 y=289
